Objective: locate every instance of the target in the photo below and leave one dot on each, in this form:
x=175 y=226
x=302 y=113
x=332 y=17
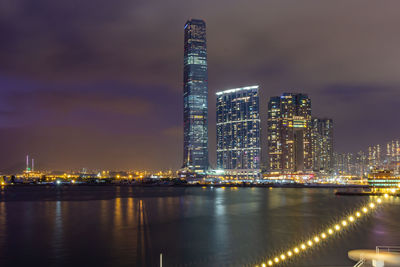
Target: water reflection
x=3 y=227
x=191 y=226
x=58 y=227
x=130 y=211
x=143 y=236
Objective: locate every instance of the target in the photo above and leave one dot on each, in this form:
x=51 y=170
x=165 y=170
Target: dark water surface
x=131 y=226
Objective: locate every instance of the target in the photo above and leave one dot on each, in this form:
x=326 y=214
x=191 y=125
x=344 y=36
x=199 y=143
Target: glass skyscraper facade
x=289 y=134
x=238 y=131
x=322 y=145
x=195 y=97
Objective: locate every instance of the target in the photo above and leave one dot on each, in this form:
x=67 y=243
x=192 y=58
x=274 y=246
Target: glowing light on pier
x=322 y=236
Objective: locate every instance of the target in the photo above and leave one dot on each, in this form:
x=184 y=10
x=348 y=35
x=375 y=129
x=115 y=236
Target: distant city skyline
x=102 y=88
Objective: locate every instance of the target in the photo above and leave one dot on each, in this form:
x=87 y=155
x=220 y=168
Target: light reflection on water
x=125 y=226
x=3 y=228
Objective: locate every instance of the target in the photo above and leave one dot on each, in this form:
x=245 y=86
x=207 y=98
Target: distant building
x=349 y=164
x=374 y=156
x=322 y=145
x=195 y=97
x=393 y=156
x=344 y=164
x=380 y=179
x=361 y=164
x=238 y=131
x=289 y=134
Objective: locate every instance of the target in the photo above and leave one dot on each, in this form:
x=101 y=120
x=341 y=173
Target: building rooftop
x=234 y=90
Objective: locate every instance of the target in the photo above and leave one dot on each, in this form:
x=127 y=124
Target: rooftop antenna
x=27 y=162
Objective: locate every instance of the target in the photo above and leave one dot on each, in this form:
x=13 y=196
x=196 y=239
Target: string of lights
x=324 y=235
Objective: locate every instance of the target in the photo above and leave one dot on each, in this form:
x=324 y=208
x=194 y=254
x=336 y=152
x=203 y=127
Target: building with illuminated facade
x=393 y=156
x=195 y=97
x=322 y=145
x=374 y=156
x=380 y=178
x=238 y=132
x=350 y=164
x=289 y=134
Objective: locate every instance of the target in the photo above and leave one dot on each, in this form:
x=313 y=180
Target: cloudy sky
x=98 y=83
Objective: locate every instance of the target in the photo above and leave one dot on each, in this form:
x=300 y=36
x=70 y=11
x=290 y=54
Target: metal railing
x=390 y=249
x=359 y=263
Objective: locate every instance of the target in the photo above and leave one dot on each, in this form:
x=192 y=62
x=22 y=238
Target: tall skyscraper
x=349 y=164
x=195 y=97
x=393 y=156
x=361 y=164
x=374 y=157
x=393 y=151
x=238 y=131
x=289 y=134
x=344 y=164
x=322 y=145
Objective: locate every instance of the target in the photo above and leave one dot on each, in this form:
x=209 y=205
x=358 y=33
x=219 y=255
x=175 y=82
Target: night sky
x=98 y=83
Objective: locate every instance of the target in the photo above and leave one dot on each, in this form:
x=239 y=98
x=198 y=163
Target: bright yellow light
x=316 y=239
x=3 y=183
x=263 y=265
x=393 y=190
x=386 y=195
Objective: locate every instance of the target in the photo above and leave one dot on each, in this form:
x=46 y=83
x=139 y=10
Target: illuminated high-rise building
x=393 y=151
x=322 y=145
x=393 y=156
x=195 y=97
x=238 y=131
x=374 y=156
x=349 y=164
x=361 y=164
x=289 y=134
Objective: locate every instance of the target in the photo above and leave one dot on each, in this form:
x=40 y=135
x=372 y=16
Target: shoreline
x=193 y=185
